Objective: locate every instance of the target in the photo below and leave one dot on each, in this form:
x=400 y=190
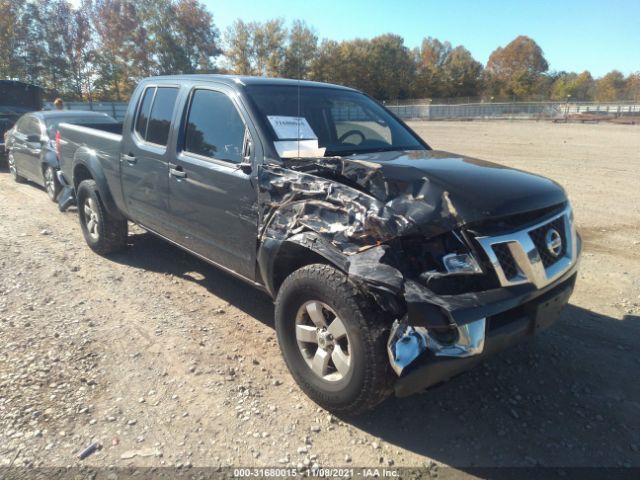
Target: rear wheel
x=51 y=183
x=103 y=232
x=333 y=340
x=14 y=169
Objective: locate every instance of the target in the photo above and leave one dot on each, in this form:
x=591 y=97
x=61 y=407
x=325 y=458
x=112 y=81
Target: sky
x=596 y=35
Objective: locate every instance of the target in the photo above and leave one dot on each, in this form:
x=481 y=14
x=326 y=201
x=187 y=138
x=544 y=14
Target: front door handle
x=177 y=171
x=130 y=159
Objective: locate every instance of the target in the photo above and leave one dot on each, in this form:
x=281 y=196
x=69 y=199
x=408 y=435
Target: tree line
x=102 y=48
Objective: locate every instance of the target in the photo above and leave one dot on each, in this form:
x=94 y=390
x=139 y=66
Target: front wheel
x=333 y=340
x=51 y=183
x=103 y=232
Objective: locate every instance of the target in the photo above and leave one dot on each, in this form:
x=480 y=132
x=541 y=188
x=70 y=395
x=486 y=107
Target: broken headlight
x=444 y=254
x=445 y=264
x=461 y=263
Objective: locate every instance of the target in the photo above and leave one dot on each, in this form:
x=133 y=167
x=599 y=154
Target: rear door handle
x=130 y=159
x=177 y=171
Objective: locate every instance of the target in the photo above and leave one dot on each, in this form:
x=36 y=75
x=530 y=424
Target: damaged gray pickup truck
x=393 y=267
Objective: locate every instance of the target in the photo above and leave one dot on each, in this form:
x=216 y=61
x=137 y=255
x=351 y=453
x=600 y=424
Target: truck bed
x=100 y=140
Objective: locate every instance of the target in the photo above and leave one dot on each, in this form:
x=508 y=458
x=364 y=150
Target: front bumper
x=512 y=314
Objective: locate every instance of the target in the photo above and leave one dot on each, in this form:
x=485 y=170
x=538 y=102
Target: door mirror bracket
x=245 y=165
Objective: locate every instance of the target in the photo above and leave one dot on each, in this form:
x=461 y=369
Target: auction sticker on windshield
x=292 y=128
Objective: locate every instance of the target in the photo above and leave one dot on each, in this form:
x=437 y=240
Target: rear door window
x=161 y=114
x=143 y=112
x=214 y=127
x=21 y=125
x=30 y=126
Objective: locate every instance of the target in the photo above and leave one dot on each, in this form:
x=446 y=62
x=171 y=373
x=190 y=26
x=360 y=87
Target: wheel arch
x=87 y=167
x=277 y=259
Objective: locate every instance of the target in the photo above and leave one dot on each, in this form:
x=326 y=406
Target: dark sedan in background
x=31 y=145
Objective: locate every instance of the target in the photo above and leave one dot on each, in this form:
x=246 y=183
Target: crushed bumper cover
x=67 y=197
x=511 y=315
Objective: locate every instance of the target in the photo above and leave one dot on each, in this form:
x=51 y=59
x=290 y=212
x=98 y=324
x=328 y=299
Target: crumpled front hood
x=477 y=188
x=365 y=200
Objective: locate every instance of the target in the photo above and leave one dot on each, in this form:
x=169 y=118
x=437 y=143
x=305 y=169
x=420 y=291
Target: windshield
x=53 y=122
x=328 y=121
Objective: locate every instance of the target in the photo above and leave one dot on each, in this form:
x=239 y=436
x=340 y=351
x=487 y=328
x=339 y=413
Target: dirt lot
x=167 y=361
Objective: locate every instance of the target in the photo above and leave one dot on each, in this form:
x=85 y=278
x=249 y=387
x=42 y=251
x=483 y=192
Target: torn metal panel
x=353 y=210
x=406 y=343
x=293 y=202
x=348 y=202
x=273 y=250
x=368 y=266
x=314 y=242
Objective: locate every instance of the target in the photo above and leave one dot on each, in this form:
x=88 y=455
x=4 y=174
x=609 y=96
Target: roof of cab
x=242 y=80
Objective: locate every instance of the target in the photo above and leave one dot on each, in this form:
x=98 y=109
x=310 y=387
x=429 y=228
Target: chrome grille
x=523 y=257
x=539 y=240
x=506 y=260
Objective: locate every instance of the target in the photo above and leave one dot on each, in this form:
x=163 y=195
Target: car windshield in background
x=53 y=122
x=343 y=122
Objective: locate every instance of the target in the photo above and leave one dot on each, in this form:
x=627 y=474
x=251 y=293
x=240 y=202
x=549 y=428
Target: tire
x=51 y=183
x=365 y=381
x=11 y=162
x=103 y=233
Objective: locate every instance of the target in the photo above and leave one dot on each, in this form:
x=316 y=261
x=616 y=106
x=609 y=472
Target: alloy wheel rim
x=323 y=341
x=91 y=218
x=49 y=182
x=12 y=165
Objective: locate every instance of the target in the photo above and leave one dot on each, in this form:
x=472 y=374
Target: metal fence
x=513 y=110
x=436 y=111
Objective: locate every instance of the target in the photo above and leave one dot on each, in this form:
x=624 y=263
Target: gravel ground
x=167 y=361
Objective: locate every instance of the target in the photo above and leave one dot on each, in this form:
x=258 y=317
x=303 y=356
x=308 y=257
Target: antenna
x=298 y=120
